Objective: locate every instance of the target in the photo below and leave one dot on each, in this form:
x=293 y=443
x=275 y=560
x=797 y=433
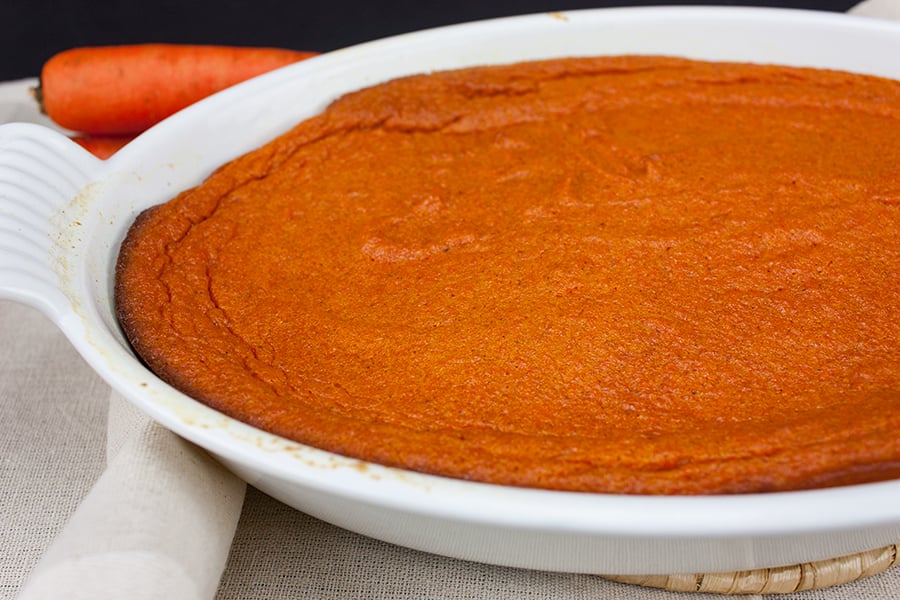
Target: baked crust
x=611 y=274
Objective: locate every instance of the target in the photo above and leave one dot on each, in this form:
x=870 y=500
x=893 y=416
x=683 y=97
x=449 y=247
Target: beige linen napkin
x=157 y=524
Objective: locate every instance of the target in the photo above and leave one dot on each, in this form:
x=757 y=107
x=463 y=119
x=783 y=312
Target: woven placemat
x=779 y=580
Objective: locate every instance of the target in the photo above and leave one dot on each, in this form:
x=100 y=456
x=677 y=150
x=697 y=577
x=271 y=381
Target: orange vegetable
x=123 y=90
x=102 y=146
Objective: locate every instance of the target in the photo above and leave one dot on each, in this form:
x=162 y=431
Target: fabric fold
x=158 y=523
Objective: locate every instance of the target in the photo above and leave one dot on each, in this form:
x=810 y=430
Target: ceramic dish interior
x=63 y=214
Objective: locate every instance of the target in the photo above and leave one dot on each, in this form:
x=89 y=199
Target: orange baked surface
x=616 y=274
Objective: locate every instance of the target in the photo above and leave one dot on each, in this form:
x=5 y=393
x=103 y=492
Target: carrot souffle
x=630 y=274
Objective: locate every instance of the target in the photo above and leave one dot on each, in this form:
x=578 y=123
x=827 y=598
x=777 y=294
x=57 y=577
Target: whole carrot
x=123 y=90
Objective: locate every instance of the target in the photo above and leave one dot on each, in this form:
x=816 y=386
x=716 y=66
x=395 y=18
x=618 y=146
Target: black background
x=33 y=30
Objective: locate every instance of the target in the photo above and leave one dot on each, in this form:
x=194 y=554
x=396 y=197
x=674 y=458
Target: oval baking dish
x=63 y=215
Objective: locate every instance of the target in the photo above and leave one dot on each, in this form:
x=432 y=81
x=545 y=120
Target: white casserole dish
x=63 y=214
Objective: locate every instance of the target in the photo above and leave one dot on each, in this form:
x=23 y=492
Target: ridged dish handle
x=41 y=173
